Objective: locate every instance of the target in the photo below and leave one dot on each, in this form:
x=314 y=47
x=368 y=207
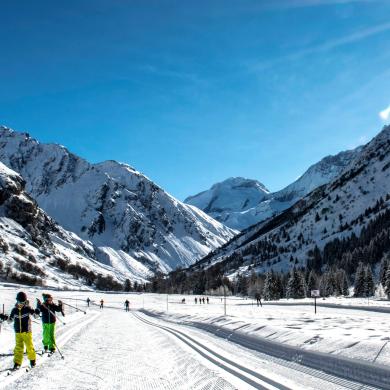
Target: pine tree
x=127 y=285
x=279 y=286
x=327 y=284
x=272 y=286
x=343 y=284
x=383 y=269
x=296 y=287
x=360 y=277
x=387 y=283
x=369 y=282
x=268 y=286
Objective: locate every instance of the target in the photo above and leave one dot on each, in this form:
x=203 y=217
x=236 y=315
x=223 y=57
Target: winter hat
x=21 y=297
x=46 y=296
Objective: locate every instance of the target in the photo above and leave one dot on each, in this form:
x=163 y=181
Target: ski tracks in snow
x=117 y=351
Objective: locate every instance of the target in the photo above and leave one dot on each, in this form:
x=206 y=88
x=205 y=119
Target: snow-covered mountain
x=240 y=203
x=357 y=198
x=34 y=249
x=131 y=221
x=230 y=201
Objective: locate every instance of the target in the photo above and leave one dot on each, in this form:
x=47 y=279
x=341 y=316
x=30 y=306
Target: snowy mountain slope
x=230 y=200
x=240 y=203
x=35 y=250
x=332 y=211
x=112 y=205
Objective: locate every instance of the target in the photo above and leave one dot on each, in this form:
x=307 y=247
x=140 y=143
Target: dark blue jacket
x=21 y=316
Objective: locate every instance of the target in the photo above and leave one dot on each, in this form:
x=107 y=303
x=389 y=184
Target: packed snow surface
x=112 y=349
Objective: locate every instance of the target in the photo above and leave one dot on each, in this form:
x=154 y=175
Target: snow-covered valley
x=160 y=343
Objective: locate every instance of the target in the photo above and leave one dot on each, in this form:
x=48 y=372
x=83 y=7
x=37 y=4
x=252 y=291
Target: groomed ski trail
x=293 y=374
x=64 y=334
x=117 y=351
x=112 y=349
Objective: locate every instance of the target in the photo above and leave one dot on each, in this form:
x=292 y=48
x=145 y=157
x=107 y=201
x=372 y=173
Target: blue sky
x=193 y=92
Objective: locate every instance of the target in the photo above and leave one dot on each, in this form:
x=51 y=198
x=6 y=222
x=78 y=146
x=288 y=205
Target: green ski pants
x=49 y=338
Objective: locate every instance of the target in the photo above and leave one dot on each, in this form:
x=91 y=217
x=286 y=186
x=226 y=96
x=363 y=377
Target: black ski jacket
x=45 y=309
x=21 y=316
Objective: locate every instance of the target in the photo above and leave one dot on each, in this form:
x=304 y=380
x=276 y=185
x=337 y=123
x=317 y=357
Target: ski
x=43 y=353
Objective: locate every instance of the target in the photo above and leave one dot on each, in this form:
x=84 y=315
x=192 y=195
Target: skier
x=258 y=299
x=196 y=300
x=207 y=300
x=88 y=301
x=101 y=303
x=48 y=310
x=22 y=326
x=203 y=300
x=127 y=303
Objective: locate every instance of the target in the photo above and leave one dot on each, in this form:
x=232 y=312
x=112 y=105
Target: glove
x=36 y=315
x=39 y=301
x=3 y=317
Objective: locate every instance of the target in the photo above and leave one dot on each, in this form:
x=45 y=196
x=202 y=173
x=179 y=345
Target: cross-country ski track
x=112 y=349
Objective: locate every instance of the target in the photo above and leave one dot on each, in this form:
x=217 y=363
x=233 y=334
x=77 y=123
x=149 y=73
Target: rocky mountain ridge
x=328 y=220
x=237 y=207
x=131 y=221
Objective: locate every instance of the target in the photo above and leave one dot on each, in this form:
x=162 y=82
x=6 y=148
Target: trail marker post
x=315 y=294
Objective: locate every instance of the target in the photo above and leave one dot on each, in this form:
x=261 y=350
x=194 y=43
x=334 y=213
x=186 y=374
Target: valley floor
x=113 y=349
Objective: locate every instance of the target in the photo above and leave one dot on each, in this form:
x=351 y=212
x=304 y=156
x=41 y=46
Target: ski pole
x=59 y=351
x=62 y=322
x=74 y=307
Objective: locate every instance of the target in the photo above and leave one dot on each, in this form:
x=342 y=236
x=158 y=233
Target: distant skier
x=258 y=299
x=203 y=300
x=207 y=300
x=48 y=310
x=20 y=314
x=196 y=300
x=183 y=300
x=127 y=303
x=101 y=303
x=88 y=301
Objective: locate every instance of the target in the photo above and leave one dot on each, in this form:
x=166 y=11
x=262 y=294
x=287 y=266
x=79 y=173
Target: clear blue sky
x=193 y=92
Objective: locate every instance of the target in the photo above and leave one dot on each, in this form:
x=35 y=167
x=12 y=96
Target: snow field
x=128 y=343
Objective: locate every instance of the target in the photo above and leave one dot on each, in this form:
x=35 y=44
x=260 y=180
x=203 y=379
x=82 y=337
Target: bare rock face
x=20 y=207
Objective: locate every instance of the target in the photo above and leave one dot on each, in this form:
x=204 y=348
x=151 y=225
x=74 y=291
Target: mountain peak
x=239 y=203
x=123 y=213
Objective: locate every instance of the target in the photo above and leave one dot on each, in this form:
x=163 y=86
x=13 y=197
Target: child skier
x=48 y=310
x=20 y=314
